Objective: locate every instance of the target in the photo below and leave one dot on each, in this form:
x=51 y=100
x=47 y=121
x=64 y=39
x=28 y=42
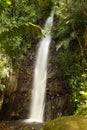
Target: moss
x=26 y=128
x=67 y=123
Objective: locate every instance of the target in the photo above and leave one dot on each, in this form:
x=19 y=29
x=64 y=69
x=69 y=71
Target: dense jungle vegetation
x=21 y=23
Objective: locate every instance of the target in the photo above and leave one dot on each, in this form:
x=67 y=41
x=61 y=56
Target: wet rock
x=15 y=116
x=33 y=128
x=57 y=91
x=57 y=100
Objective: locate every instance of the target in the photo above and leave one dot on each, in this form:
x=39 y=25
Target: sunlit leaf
x=8 y=2
x=83 y=93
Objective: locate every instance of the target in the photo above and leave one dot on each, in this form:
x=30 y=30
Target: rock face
x=8 y=96
x=23 y=92
x=58 y=92
x=57 y=101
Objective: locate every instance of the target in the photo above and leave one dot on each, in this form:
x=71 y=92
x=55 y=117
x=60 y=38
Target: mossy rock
x=26 y=128
x=67 y=123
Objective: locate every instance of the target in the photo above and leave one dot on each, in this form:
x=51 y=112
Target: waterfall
x=40 y=75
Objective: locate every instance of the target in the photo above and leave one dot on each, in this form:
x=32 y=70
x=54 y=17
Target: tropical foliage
x=19 y=29
x=16 y=30
x=71 y=24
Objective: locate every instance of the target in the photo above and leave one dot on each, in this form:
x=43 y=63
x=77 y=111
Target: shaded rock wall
x=58 y=93
x=57 y=101
x=23 y=92
x=8 y=96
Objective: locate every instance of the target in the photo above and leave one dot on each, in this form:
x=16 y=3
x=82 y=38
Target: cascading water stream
x=40 y=75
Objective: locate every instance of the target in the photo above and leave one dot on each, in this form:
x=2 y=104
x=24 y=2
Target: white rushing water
x=40 y=75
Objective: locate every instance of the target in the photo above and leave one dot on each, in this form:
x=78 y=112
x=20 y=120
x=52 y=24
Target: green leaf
x=8 y=2
x=83 y=93
x=2 y=87
x=26 y=28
